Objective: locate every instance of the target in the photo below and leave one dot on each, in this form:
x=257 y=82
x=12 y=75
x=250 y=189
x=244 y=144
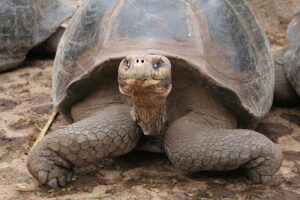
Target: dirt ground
x=25 y=106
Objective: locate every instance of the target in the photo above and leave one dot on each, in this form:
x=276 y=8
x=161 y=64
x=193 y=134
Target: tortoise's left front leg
x=192 y=148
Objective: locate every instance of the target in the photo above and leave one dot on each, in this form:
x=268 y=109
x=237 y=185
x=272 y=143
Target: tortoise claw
x=42 y=176
x=53 y=183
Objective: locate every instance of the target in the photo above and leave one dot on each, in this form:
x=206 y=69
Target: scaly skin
x=109 y=133
x=192 y=147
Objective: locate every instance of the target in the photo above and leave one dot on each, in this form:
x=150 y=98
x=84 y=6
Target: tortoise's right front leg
x=109 y=133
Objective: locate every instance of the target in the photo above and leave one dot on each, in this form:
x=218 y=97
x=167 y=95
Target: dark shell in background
x=26 y=23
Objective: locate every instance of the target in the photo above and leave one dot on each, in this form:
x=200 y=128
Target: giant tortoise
x=26 y=23
x=185 y=75
x=287 y=65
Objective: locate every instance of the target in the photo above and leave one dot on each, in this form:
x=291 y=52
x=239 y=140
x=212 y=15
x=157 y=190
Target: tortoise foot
x=49 y=168
x=262 y=169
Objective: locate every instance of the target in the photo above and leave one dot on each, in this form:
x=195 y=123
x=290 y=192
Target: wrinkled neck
x=149 y=113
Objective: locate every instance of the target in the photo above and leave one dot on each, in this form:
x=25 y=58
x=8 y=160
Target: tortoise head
x=146 y=79
x=145 y=75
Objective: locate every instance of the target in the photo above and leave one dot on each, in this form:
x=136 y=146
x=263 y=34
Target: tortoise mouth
x=134 y=87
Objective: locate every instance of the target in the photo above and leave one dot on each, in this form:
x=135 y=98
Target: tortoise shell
x=293 y=30
x=219 y=43
x=291 y=57
x=26 y=23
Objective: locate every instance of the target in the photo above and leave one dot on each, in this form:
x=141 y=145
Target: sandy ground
x=25 y=105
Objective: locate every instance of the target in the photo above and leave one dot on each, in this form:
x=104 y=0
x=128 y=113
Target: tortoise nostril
x=137 y=61
x=142 y=61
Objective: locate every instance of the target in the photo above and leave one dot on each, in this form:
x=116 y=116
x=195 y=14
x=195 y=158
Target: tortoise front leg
x=192 y=147
x=109 y=133
x=284 y=93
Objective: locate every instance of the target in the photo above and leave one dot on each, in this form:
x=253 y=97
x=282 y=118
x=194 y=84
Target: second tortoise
x=24 y=24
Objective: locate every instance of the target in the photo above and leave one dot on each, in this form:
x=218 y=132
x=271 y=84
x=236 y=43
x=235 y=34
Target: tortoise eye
x=157 y=64
x=126 y=63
